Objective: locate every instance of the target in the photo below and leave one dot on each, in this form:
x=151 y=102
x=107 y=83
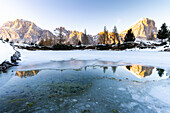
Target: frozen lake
x=95 y=82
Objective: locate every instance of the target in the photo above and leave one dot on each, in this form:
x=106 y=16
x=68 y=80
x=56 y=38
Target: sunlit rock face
x=73 y=37
x=25 y=74
x=23 y=31
x=140 y=71
x=142 y=29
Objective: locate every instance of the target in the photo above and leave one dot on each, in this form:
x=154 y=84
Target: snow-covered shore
x=9 y=55
x=6 y=51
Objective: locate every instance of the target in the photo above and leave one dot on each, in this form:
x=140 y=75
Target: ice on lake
x=85 y=86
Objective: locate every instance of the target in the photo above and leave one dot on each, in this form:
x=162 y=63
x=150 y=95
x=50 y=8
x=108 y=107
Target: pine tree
x=7 y=40
x=41 y=43
x=54 y=40
x=101 y=39
x=24 y=42
x=46 y=41
x=129 y=36
x=79 y=42
x=85 y=38
x=61 y=36
x=163 y=32
x=105 y=35
x=115 y=35
x=50 y=41
x=169 y=36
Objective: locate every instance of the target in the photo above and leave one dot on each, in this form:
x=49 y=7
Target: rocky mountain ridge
x=26 y=31
x=23 y=31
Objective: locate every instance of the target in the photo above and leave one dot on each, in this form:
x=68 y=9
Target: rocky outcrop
x=6 y=64
x=9 y=56
x=15 y=57
x=23 y=31
x=143 y=29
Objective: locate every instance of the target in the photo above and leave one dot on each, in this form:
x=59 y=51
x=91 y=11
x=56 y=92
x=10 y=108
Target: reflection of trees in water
x=104 y=69
x=128 y=67
x=160 y=72
x=85 y=68
x=25 y=74
x=114 y=69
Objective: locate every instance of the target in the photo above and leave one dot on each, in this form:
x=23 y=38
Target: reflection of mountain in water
x=25 y=74
x=140 y=71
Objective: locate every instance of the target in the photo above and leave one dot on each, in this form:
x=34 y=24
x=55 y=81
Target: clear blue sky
x=90 y=14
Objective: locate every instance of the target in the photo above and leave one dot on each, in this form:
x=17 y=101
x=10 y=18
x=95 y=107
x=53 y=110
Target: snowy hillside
x=6 y=51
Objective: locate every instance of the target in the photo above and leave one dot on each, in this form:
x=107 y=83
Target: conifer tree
x=7 y=40
x=61 y=36
x=129 y=36
x=41 y=43
x=79 y=42
x=163 y=32
x=54 y=40
x=85 y=38
x=169 y=36
x=101 y=39
x=105 y=35
x=46 y=41
x=115 y=35
x=50 y=41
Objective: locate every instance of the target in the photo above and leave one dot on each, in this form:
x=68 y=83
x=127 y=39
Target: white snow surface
x=6 y=51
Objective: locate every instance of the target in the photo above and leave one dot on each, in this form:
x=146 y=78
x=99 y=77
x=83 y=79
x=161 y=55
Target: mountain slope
x=23 y=31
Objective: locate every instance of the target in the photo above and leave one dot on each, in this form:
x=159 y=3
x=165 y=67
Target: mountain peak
x=145 y=18
x=143 y=29
x=23 y=30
